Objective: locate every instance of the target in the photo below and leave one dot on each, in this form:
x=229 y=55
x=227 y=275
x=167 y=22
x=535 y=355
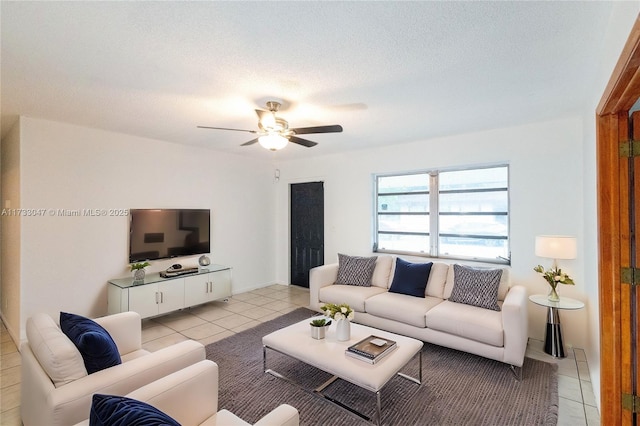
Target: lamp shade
x=273 y=141
x=556 y=247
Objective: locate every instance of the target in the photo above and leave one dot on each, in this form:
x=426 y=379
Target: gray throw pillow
x=355 y=270
x=476 y=286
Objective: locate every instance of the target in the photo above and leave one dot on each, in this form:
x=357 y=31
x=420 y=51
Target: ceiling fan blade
x=336 y=128
x=226 y=128
x=302 y=142
x=251 y=142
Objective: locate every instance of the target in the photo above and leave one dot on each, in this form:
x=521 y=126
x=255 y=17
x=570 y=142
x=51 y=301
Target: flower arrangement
x=338 y=312
x=554 y=276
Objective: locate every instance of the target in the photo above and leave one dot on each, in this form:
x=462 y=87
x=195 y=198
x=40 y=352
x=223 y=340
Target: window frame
x=434 y=213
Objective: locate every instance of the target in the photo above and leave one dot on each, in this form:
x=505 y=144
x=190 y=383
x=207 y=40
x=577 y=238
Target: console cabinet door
x=144 y=300
x=171 y=295
x=221 y=281
x=153 y=299
x=197 y=290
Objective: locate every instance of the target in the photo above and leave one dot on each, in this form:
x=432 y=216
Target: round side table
x=553 y=336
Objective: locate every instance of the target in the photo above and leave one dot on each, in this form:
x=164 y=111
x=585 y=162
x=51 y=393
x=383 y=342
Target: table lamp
x=556 y=247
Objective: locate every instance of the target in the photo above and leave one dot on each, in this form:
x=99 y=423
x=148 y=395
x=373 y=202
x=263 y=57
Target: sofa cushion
x=503 y=289
x=111 y=410
x=402 y=308
x=57 y=355
x=410 y=278
x=96 y=346
x=476 y=287
x=470 y=322
x=353 y=296
x=382 y=271
x=437 y=280
x=355 y=270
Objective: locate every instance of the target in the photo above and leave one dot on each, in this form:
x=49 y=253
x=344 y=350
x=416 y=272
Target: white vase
x=343 y=330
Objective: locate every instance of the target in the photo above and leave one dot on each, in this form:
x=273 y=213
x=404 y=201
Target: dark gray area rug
x=457 y=389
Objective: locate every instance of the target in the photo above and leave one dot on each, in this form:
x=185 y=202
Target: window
x=445 y=213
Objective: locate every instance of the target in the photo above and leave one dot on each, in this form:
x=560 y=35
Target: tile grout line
x=584 y=405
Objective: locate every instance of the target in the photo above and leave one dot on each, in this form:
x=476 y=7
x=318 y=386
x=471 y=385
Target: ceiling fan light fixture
x=275 y=132
x=273 y=141
x=268 y=121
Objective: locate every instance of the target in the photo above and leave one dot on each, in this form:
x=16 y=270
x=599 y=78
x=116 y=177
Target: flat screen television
x=165 y=233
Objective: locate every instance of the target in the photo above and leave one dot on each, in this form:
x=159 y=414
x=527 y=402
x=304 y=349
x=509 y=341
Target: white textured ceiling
x=388 y=72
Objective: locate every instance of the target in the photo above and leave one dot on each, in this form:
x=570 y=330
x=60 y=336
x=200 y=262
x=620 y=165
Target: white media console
x=158 y=295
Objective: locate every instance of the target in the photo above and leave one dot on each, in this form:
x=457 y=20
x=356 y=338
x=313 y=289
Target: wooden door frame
x=612 y=118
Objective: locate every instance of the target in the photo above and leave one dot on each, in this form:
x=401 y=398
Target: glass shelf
x=155 y=277
x=563 y=303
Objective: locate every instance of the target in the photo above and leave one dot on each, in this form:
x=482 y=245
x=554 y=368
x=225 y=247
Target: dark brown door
x=618 y=158
x=307 y=230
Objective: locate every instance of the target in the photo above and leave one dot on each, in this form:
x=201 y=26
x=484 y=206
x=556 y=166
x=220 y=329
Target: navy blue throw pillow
x=96 y=346
x=410 y=278
x=111 y=410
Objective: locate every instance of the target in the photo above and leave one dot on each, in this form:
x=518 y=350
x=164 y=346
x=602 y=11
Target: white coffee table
x=328 y=355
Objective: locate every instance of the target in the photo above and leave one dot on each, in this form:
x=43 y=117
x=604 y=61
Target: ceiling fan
x=275 y=133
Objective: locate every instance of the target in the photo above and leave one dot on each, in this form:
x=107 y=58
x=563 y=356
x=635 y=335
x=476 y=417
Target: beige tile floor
x=217 y=320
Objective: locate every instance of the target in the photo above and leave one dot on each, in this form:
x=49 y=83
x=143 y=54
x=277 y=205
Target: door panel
x=307 y=230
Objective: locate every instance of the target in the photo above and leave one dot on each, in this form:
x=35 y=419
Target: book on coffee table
x=371 y=349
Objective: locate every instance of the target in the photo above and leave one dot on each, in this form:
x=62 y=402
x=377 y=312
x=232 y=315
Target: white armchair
x=190 y=396
x=56 y=389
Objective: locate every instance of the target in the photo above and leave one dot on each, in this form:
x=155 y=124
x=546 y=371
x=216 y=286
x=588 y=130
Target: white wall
x=11 y=224
x=68 y=260
x=546 y=196
x=623 y=16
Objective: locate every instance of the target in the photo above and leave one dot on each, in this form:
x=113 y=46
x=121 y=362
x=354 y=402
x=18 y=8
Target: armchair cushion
x=96 y=346
x=57 y=355
x=111 y=410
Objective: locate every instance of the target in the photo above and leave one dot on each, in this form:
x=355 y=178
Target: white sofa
x=499 y=335
x=56 y=389
x=190 y=397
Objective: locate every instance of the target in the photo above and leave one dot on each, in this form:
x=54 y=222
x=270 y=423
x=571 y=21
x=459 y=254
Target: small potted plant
x=138 y=271
x=319 y=327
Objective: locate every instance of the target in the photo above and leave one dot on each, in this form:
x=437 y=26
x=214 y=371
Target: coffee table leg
x=264 y=358
x=417 y=381
x=318 y=391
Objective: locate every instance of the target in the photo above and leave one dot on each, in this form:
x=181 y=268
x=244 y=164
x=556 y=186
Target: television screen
x=165 y=233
